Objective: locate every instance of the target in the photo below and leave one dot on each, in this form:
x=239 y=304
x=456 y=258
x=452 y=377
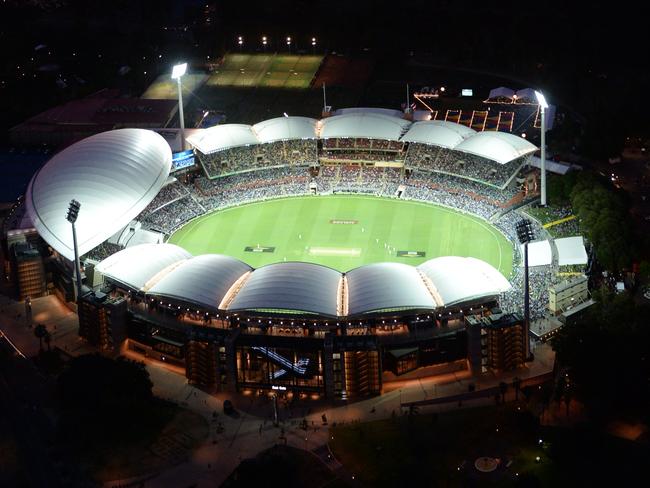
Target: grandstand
x=285 y=320
x=363 y=136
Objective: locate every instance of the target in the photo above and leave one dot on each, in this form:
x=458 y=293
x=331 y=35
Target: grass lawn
x=282 y=466
x=266 y=70
x=344 y=232
x=428 y=450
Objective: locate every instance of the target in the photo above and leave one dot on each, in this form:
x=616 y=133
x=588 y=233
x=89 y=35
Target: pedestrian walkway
x=234 y=438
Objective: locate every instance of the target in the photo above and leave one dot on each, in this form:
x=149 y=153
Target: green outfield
x=266 y=70
x=344 y=232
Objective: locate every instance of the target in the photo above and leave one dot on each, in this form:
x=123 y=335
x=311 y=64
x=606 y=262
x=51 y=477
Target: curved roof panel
x=371 y=110
x=459 y=279
x=221 y=137
x=501 y=92
x=114 y=175
x=136 y=265
x=497 y=146
x=282 y=128
x=438 y=133
x=203 y=280
x=382 y=286
x=304 y=287
x=369 y=125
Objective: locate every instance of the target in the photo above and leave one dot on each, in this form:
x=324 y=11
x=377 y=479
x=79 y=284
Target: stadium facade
x=287 y=326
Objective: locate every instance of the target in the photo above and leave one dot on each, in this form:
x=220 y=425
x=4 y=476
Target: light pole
x=542 y=107
x=289 y=43
x=525 y=233
x=240 y=41
x=73 y=213
x=177 y=73
x=264 y=42
x=313 y=45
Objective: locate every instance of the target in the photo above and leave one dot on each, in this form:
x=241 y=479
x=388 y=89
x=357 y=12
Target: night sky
x=590 y=59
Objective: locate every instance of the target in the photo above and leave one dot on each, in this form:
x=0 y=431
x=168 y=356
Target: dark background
x=591 y=60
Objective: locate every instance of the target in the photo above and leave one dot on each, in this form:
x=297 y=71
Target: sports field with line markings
x=266 y=70
x=305 y=229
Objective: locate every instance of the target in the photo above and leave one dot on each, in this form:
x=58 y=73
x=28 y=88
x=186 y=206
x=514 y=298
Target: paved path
x=241 y=436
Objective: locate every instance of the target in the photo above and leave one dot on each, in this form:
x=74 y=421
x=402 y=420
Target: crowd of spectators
x=299 y=152
x=432 y=158
x=104 y=250
x=179 y=203
x=168 y=218
x=169 y=193
x=329 y=155
x=363 y=144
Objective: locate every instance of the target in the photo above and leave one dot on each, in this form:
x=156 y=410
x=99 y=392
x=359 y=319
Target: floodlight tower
x=526 y=234
x=177 y=73
x=73 y=213
x=542 y=106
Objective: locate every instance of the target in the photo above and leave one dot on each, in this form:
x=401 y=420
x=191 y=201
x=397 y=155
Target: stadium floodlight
x=543 y=105
x=541 y=99
x=526 y=234
x=177 y=73
x=179 y=70
x=71 y=216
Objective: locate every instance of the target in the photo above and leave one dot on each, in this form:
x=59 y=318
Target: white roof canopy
x=136 y=265
x=458 y=279
x=166 y=271
x=571 y=250
x=282 y=128
x=496 y=146
x=221 y=137
x=382 y=286
x=203 y=280
x=539 y=253
x=438 y=133
x=369 y=110
x=114 y=175
x=370 y=125
x=501 y=92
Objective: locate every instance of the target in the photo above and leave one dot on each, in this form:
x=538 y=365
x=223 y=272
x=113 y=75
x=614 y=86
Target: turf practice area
x=266 y=70
x=344 y=232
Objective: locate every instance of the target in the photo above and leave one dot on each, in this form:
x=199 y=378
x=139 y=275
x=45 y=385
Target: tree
x=40 y=331
x=605 y=221
x=105 y=396
x=607 y=355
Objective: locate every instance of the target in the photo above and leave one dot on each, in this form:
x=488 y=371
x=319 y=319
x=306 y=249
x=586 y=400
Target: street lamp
x=264 y=42
x=177 y=73
x=240 y=41
x=542 y=106
x=289 y=42
x=525 y=234
x=313 y=45
x=71 y=216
